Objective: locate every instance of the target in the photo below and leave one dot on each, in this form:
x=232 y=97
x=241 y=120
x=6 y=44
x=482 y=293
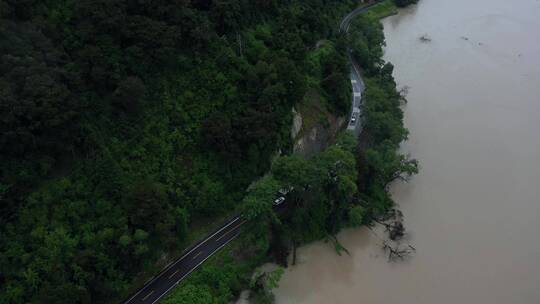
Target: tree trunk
x=294 y=254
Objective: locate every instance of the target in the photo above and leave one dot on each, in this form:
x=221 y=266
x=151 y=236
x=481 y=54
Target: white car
x=279 y=200
x=353 y=119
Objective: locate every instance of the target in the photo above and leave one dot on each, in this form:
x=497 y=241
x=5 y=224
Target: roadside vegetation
x=384 y=9
x=344 y=186
x=127 y=128
x=379 y=160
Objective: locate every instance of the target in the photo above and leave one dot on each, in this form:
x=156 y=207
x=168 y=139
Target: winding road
x=358 y=86
x=156 y=288
x=355 y=121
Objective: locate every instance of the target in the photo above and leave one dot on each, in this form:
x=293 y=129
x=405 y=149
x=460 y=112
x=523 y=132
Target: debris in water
x=465 y=38
x=425 y=38
x=403 y=92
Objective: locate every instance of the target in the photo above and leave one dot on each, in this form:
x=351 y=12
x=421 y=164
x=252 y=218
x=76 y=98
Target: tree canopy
x=126 y=122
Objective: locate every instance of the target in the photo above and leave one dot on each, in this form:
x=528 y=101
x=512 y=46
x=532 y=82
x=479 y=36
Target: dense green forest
x=126 y=125
x=344 y=186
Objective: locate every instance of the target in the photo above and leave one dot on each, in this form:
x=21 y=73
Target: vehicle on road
x=353 y=119
x=279 y=200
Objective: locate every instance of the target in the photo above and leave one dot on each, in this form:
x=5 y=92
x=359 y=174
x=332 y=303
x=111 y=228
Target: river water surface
x=473 y=212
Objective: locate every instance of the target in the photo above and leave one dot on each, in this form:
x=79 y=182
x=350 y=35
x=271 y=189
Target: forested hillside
x=124 y=123
x=343 y=186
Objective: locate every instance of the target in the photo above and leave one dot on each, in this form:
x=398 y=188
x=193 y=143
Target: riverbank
x=359 y=207
x=378 y=147
x=471 y=210
x=232 y=267
x=382 y=10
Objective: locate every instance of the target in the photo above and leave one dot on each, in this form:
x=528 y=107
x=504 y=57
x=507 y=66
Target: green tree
x=356 y=216
x=192 y=294
x=257 y=210
x=128 y=95
x=262 y=284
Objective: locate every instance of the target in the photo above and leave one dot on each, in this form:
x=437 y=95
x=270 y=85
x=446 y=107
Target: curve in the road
x=175 y=272
x=355 y=120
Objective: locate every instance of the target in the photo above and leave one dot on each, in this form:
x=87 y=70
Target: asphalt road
x=346 y=22
x=358 y=88
x=355 y=120
x=174 y=273
x=168 y=278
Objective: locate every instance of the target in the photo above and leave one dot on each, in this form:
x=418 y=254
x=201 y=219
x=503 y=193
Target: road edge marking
x=146 y=297
x=179 y=259
x=198 y=254
x=179 y=280
x=232 y=229
x=172 y=275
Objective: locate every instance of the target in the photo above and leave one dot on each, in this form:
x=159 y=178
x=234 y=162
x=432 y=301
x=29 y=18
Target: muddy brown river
x=473 y=212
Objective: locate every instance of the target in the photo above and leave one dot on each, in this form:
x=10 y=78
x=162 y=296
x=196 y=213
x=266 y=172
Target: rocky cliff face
x=309 y=141
x=297 y=124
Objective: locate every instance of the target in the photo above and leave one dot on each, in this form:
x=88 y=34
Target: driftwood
x=396 y=230
x=403 y=92
x=337 y=245
x=393 y=222
x=397 y=251
x=294 y=254
x=425 y=38
x=392 y=246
